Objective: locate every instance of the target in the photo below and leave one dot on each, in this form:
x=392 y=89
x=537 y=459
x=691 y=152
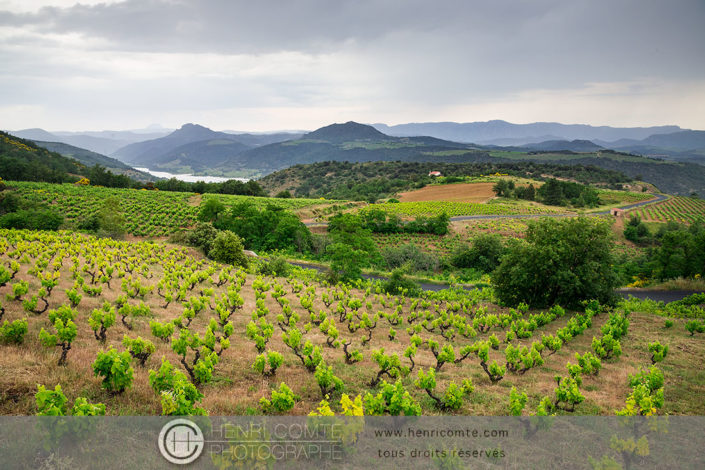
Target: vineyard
x=454 y=209
x=147 y=213
x=442 y=245
x=437 y=244
x=146 y=328
x=676 y=209
x=611 y=197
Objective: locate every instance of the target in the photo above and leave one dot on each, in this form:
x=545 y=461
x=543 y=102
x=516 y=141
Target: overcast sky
x=262 y=65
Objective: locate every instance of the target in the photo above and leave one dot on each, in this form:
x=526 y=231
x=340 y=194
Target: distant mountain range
x=102 y=142
x=351 y=142
x=196 y=149
x=494 y=132
x=192 y=149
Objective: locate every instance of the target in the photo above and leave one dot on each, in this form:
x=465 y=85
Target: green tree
x=348 y=230
x=202 y=236
x=484 y=253
x=111 y=221
x=227 y=248
x=211 y=208
x=345 y=262
x=636 y=230
x=561 y=262
x=552 y=193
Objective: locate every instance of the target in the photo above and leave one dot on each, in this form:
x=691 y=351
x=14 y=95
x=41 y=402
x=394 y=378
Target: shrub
x=346 y=263
x=282 y=400
x=115 y=369
x=202 y=236
x=273 y=358
x=397 y=284
x=102 y=319
x=484 y=253
x=14 y=332
x=138 y=348
x=54 y=403
x=275 y=266
x=409 y=254
x=327 y=382
x=211 y=208
x=162 y=331
x=227 y=248
x=32 y=219
x=562 y=262
x=392 y=399
x=452 y=399
x=178 y=395
x=695 y=326
x=111 y=221
x=65 y=334
x=658 y=351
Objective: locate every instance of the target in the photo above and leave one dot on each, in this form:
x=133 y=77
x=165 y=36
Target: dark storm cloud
x=381 y=54
x=236 y=26
x=543 y=41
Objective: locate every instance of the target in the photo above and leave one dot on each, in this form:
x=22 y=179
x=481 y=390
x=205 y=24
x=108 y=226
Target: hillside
x=350 y=131
x=680 y=178
x=350 y=142
x=196 y=156
x=376 y=180
x=194 y=149
x=102 y=142
x=564 y=145
x=22 y=159
x=367 y=144
x=90 y=158
x=144 y=153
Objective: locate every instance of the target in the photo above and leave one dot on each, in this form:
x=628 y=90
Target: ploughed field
x=460 y=192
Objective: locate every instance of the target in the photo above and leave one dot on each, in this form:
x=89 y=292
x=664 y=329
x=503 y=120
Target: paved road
x=658 y=295
x=659 y=198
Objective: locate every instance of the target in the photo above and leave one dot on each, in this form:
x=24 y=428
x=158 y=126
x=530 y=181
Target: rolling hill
x=351 y=142
x=357 y=143
x=90 y=158
x=102 y=142
x=192 y=149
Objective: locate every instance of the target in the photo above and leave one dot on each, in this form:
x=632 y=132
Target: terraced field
x=679 y=209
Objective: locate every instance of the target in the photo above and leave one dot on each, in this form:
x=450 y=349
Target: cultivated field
x=679 y=209
x=458 y=192
x=211 y=322
x=454 y=209
x=147 y=213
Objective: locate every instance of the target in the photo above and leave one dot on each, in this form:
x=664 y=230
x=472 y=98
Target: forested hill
x=375 y=180
x=351 y=142
x=358 y=143
x=22 y=159
x=90 y=158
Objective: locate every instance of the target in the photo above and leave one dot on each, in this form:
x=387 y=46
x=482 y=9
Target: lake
x=188 y=177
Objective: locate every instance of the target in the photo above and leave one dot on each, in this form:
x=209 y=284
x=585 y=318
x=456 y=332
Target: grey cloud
x=385 y=53
x=582 y=39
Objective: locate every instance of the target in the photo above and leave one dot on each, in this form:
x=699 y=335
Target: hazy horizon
x=270 y=66
x=151 y=128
